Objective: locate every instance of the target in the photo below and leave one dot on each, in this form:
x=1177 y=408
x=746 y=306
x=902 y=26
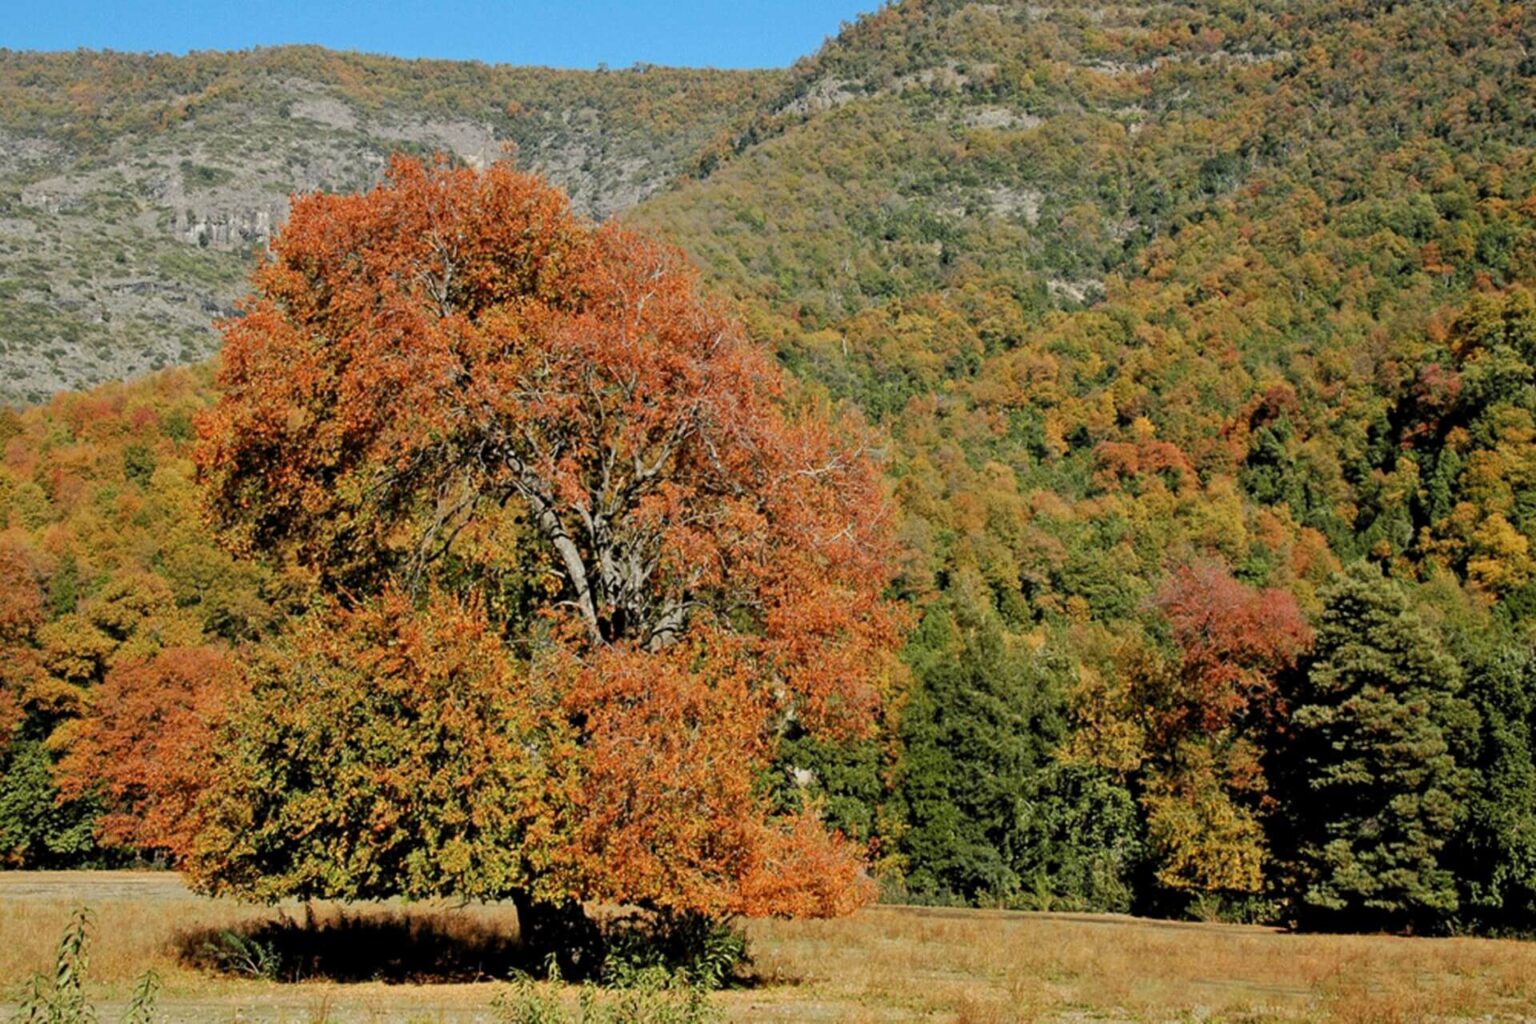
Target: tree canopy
x=451 y=399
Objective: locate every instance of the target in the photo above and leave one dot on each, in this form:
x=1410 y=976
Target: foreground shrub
x=61 y=999
x=652 y=995
x=701 y=951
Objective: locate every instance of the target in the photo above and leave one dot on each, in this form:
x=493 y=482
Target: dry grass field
x=885 y=964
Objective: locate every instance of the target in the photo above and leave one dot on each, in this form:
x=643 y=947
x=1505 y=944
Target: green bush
x=691 y=948
x=653 y=995
x=231 y=952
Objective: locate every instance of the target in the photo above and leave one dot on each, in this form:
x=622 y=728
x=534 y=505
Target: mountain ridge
x=136 y=187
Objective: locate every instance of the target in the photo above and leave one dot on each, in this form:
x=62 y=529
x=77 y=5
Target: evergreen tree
x=1376 y=722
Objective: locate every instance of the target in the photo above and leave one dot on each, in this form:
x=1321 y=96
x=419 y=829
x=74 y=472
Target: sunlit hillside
x=1198 y=345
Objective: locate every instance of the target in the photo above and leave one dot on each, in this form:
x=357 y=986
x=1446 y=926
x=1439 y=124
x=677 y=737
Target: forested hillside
x=1172 y=312
x=1201 y=340
x=135 y=191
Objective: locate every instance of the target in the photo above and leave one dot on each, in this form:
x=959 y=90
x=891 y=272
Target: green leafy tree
x=1494 y=855
x=37 y=829
x=1081 y=840
x=982 y=718
x=846 y=780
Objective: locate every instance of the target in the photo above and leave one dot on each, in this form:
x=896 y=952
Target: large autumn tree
x=452 y=395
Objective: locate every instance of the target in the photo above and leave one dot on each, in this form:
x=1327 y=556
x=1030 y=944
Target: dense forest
x=1199 y=343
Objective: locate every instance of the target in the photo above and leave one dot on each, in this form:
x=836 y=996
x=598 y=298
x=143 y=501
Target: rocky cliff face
x=127 y=222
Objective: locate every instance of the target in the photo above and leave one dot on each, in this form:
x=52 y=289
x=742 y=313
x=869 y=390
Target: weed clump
x=650 y=995
x=61 y=998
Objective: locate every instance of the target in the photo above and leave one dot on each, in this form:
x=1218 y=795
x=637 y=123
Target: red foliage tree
x=1208 y=715
x=1233 y=641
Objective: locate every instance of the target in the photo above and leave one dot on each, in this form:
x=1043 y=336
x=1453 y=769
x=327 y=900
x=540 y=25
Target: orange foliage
x=668 y=813
x=454 y=347
x=1119 y=461
x=149 y=745
x=1233 y=640
x=21 y=612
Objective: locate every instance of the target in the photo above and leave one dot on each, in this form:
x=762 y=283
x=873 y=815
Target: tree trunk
x=560 y=935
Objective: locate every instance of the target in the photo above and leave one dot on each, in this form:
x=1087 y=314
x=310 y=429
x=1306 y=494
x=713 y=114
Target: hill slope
x=1033 y=230
x=1170 y=312
x=133 y=189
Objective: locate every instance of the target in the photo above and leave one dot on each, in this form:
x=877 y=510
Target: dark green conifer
x=1380 y=793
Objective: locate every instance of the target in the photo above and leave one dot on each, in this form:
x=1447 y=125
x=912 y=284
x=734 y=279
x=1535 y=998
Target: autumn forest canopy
x=1052 y=456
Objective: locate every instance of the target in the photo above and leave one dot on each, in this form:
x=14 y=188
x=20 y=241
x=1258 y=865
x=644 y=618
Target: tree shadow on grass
x=440 y=947
x=389 y=946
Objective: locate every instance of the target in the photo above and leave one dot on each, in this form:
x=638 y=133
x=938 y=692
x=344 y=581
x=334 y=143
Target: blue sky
x=744 y=33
